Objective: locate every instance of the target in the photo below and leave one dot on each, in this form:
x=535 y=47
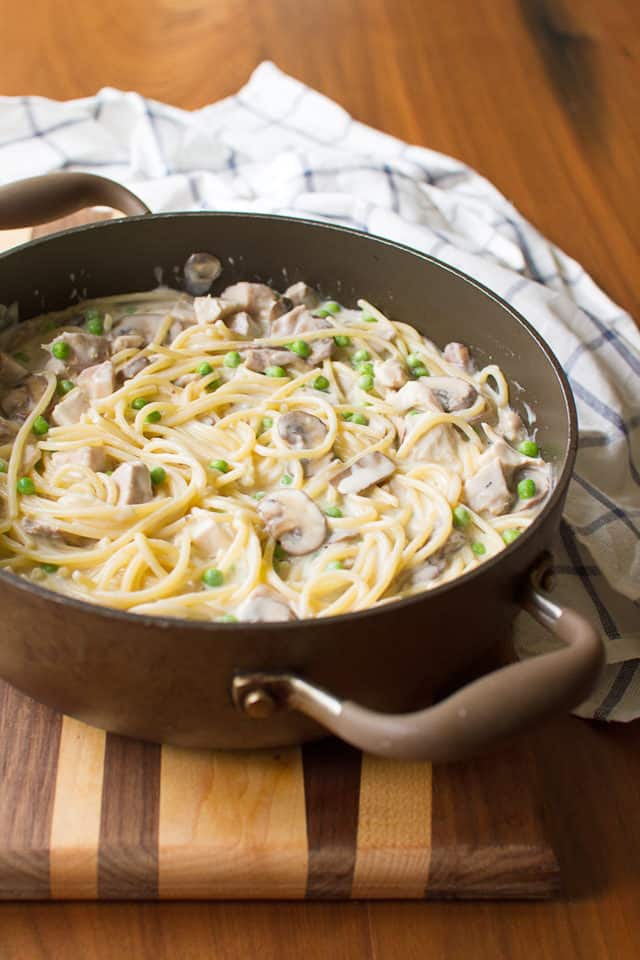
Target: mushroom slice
x=416 y=393
x=8 y=430
x=293 y=518
x=260 y=359
x=264 y=606
x=540 y=476
x=453 y=393
x=458 y=354
x=200 y=270
x=368 y=470
x=11 y=372
x=300 y=430
x=18 y=403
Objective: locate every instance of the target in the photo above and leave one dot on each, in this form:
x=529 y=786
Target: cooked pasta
x=251 y=455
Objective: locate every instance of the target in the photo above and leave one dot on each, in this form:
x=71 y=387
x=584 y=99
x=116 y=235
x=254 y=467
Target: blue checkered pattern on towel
x=278 y=146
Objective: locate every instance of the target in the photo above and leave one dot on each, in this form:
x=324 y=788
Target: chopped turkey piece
x=207 y=535
x=259 y=300
x=370 y=469
x=242 y=324
x=437 y=446
x=42 y=528
x=144 y=325
x=70 y=408
x=30 y=457
x=207 y=309
x=510 y=424
x=18 y=403
x=265 y=606
x=401 y=427
x=127 y=341
x=93 y=457
x=299 y=321
x=260 y=359
x=87 y=350
x=458 y=354
x=11 y=372
x=98 y=381
x=301 y=294
x=416 y=393
x=8 y=430
x=391 y=374
x=487 y=489
x=310 y=468
x=510 y=459
x=134 y=482
x=133 y=367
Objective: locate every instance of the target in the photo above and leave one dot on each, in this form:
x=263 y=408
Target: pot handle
x=35 y=200
x=494 y=706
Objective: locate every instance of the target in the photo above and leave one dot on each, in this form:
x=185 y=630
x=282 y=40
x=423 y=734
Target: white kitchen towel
x=279 y=147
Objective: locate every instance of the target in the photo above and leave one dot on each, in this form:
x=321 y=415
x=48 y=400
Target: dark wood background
x=542 y=97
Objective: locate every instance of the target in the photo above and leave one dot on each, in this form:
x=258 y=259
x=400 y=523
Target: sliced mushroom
x=143 y=325
x=8 y=430
x=264 y=606
x=134 y=482
x=98 y=381
x=416 y=393
x=260 y=359
x=487 y=489
x=38 y=528
x=300 y=430
x=369 y=469
x=300 y=294
x=541 y=478
x=458 y=354
x=11 y=372
x=453 y=393
x=391 y=374
x=310 y=468
x=293 y=518
x=18 y=403
x=70 y=408
x=133 y=367
x=200 y=270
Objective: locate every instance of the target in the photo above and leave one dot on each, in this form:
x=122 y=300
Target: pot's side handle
x=35 y=200
x=497 y=705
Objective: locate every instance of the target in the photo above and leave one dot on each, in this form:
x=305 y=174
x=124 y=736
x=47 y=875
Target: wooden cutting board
x=89 y=815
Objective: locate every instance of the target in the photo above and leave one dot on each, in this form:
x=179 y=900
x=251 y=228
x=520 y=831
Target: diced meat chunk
x=98 y=381
x=369 y=469
x=40 y=528
x=458 y=354
x=242 y=324
x=134 y=482
x=261 y=358
x=510 y=424
x=18 y=403
x=127 y=341
x=265 y=606
x=31 y=455
x=301 y=294
x=86 y=350
x=143 y=325
x=487 y=489
x=70 y=408
x=207 y=309
x=11 y=372
x=259 y=300
x=416 y=393
x=436 y=446
x=95 y=458
x=207 y=535
x=391 y=374
x=299 y=321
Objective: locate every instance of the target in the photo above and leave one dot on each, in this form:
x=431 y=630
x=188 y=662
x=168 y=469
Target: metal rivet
x=258 y=704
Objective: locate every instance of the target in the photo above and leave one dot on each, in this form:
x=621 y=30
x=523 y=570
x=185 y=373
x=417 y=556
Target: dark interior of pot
x=129 y=255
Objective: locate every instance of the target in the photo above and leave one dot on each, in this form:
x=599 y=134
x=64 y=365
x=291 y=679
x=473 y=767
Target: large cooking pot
x=257 y=685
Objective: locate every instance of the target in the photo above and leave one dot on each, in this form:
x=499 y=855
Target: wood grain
x=470 y=78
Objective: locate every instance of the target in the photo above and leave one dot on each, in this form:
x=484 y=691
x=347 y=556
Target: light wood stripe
x=394 y=829
x=75 y=827
x=232 y=825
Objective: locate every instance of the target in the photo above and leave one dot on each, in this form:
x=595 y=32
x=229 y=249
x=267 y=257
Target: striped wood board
x=89 y=815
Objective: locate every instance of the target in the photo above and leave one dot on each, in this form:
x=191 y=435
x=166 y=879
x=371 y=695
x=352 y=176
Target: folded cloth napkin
x=279 y=147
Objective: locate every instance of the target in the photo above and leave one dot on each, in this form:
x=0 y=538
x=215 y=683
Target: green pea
x=360 y=419
x=204 y=368
x=320 y=383
x=300 y=347
x=279 y=553
x=461 y=517
x=266 y=424
x=275 y=372
x=227 y=618
x=333 y=307
x=213 y=385
x=95 y=326
x=529 y=448
x=333 y=512
x=361 y=355
x=259 y=495
x=65 y=386
x=368 y=318
x=21 y=357
x=154 y=417
x=286 y=480
x=92 y=313
x=510 y=535
x=158 y=475
x=4 y=466
x=221 y=465
x=232 y=359
x=139 y=402
x=60 y=349
x=342 y=341
x=414 y=413
x=413 y=360
x=321 y=313
x=420 y=371
x=478 y=549
x=366 y=382
x=348 y=415
x=526 y=489
x=213 y=577
x=49 y=567
x=366 y=367
x=40 y=426
x=335 y=565
x=25 y=485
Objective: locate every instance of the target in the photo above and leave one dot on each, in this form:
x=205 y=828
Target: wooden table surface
x=543 y=98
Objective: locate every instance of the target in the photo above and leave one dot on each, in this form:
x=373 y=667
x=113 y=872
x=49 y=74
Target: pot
x=370 y=676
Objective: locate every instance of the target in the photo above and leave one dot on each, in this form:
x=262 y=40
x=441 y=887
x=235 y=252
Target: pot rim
x=214 y=627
